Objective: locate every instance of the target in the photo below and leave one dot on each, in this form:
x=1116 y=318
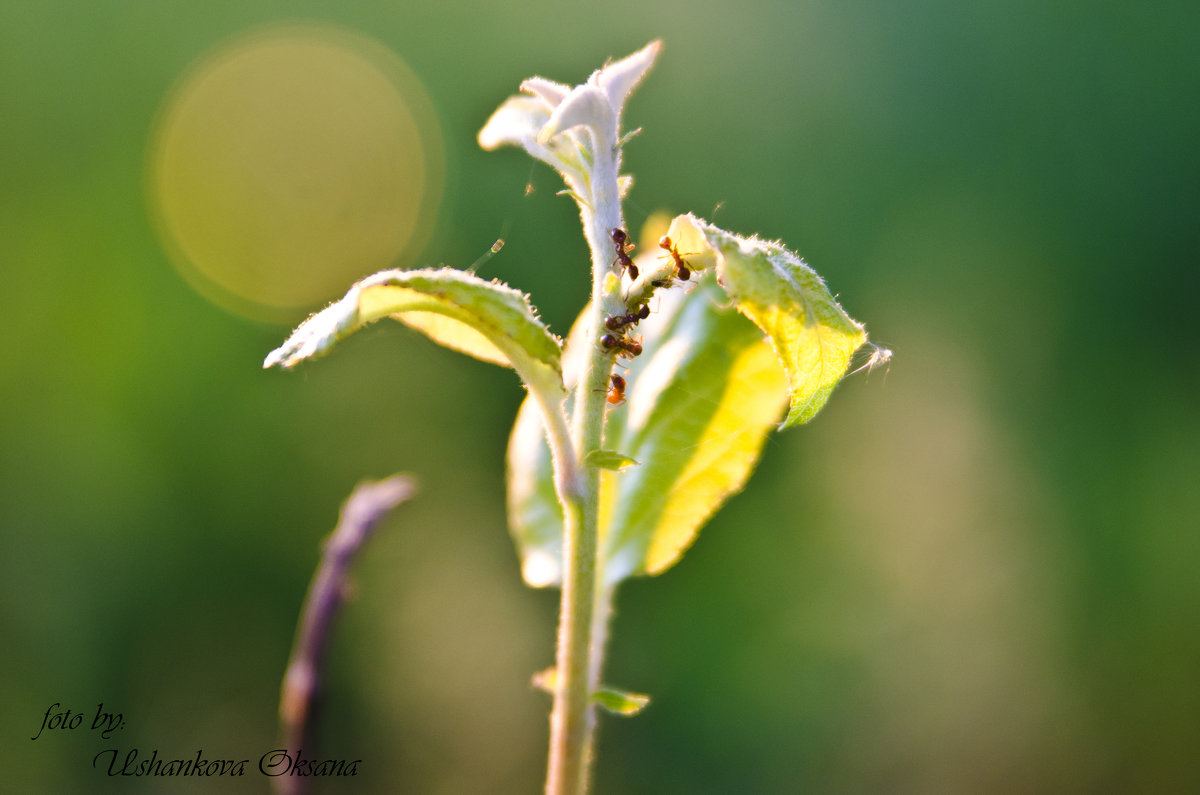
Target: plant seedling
x=759 y=336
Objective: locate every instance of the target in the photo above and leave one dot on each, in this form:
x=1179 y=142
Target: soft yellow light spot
x=540 y=569
x=291 y=162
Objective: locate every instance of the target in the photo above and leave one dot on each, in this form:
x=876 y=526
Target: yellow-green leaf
x=701 y=400
x=609 y=459
x=753 y=331
x=812 y=335
x=487 y=320
x=620 y=702
x=610 y=699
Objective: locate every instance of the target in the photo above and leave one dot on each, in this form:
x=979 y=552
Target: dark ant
x=681 y=265
x=628 y=347
x=616 y=393
x=620 y=241
x=618 y=322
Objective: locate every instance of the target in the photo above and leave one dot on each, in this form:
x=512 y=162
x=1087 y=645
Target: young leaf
x=608 y=698
x=569 y=127
x=811 y=333
x=609 y=459
x=487 y=320
x=703 y=396
x=519 y=120
x=620 y=702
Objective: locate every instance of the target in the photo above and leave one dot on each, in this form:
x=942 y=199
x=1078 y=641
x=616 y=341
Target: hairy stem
x=562 y=449
x=572 y=723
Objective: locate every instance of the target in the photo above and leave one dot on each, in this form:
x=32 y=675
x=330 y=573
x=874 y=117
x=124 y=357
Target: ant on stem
x=681 y=265
x=629 y=348
x=618 y=322
x=616 y=393
x=621 y=242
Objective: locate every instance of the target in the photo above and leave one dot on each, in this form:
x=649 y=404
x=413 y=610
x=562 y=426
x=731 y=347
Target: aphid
x=616 y=393
x=623 y=247
x=681 y=265
x=628 y=347
x=618 y=322
x=879 y=355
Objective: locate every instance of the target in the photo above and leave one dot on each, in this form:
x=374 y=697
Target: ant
x=616 y=393
x=629 y=348
x=617 y=322
x=681 y=265
x=620 y=241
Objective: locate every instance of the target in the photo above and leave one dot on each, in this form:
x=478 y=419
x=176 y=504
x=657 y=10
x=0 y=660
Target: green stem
x=573 y=720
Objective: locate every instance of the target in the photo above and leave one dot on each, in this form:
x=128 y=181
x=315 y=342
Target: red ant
x=629 y=348
x=681 y=265
x=620 y=241
x=618 y=322
x=616 y=393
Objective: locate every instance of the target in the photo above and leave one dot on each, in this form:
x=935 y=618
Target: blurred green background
x=975 y=572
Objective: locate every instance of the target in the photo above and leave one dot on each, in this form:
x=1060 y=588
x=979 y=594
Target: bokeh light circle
x=291 y=162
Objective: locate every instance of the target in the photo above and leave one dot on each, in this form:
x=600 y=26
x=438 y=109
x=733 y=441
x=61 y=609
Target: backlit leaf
x=754 y=330
x=487 y=320
x=812 y=335
x=620 y=702
x=609 y=459
x=610 y=699
x=701 y=400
